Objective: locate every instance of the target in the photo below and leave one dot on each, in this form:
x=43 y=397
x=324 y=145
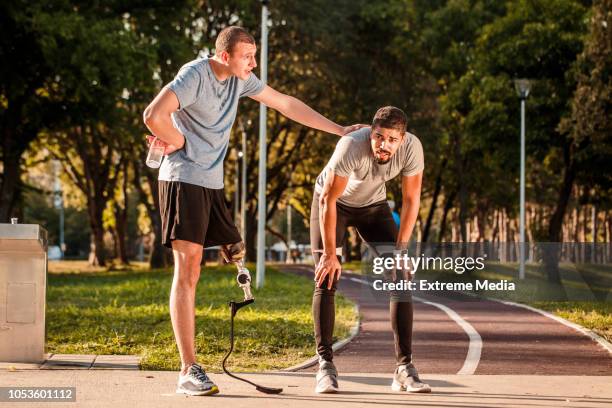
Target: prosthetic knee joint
x=234 y=253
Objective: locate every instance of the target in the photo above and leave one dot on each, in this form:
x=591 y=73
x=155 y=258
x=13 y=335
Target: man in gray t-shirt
x=350 y=191
x=355 y=160
x=192 y=118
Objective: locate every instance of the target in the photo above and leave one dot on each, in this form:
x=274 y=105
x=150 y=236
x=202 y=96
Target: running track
x=463 y=336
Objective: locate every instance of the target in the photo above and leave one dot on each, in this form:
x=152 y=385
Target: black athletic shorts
x=195 y=214
x=374 y=223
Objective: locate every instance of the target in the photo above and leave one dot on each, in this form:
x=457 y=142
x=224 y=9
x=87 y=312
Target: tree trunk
x=160 y=256
x=607 y=236
x=121 y=215
x=594 y=226
x=551 y=261
x=434 y=202
x=97 y=253
x=494 y=227
x=281 y=237
x=97 y=256
x=593 y=234
x=462 y=186
x=503 y=236
x=447 y=206
x=121 y=233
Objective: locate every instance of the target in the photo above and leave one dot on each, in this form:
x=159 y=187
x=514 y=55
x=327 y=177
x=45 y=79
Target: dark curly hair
x=390 y=117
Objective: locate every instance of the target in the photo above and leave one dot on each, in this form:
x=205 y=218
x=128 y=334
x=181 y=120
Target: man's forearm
x=410 y=211
x=327 y=220
x=161 y=126
x=300 y=112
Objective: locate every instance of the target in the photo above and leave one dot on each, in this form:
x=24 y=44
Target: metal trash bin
x=23 y=284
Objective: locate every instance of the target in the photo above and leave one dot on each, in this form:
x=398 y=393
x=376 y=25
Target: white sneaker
x=327 y=378
x=406 y=378
x=196 y=382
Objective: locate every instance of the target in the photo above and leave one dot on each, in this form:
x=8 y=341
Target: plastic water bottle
x=155 y=155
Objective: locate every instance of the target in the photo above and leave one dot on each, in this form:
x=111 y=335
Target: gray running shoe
x=327 y=378
x=196 y=382
x=406 y=378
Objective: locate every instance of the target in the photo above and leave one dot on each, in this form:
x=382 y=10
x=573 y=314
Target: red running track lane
x=514 y=340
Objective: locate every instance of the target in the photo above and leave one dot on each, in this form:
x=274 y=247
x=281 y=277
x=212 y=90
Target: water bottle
x=155 y=155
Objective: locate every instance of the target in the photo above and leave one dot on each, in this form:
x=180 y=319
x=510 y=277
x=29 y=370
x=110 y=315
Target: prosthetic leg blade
x=234 y=307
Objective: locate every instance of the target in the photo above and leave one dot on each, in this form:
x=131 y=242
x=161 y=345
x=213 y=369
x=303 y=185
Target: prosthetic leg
x=234 y=253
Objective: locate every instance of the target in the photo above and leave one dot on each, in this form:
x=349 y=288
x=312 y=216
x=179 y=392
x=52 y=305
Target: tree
x=450 y=33
x=588 y=127
x=95 y=60
x=24 y=105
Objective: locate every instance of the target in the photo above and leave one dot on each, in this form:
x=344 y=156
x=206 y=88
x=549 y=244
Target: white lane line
x=475 y=345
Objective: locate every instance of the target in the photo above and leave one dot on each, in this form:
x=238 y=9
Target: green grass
x=126 y=312
x=596 y=316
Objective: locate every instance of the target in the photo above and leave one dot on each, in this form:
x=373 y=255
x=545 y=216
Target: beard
x=379 y=160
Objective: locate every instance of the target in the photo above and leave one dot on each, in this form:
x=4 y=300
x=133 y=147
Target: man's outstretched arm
x=298 y=111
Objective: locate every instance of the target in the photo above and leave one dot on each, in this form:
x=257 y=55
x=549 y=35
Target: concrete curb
x=79 y=362
x=340 y=344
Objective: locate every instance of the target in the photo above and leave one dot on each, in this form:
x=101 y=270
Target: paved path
x=152 y=389
x=513 y=340
x=508 y=341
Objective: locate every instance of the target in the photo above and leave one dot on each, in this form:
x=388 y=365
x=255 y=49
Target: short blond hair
x=230 y=36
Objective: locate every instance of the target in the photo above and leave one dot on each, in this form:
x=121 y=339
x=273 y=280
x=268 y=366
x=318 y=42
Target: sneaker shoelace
x=329 y=369
x=409 y=372
x=412 y=372
x=197 y=372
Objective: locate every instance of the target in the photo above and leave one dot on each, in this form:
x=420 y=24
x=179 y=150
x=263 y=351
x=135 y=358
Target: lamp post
x=243 y=193
x=242 y=154
x=289 y=237
x=58 y=202
x=261 y=186
x=522 y=86
x=237 y=185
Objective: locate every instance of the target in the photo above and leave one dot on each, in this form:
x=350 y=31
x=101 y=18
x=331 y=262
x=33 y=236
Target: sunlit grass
x=126 y=312
x=596 y=316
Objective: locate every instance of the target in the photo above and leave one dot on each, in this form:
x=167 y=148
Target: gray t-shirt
x=353 y=158
x=205 y=117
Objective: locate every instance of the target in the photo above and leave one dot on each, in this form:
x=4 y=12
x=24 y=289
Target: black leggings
x=375 y=224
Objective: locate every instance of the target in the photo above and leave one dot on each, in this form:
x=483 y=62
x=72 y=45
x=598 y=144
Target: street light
x=244 y=186
x=237 y=212
x=58 y=203
x=522 y=86
x=261 y=185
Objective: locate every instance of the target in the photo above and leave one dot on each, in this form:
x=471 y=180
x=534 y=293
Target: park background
x=76 y=76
